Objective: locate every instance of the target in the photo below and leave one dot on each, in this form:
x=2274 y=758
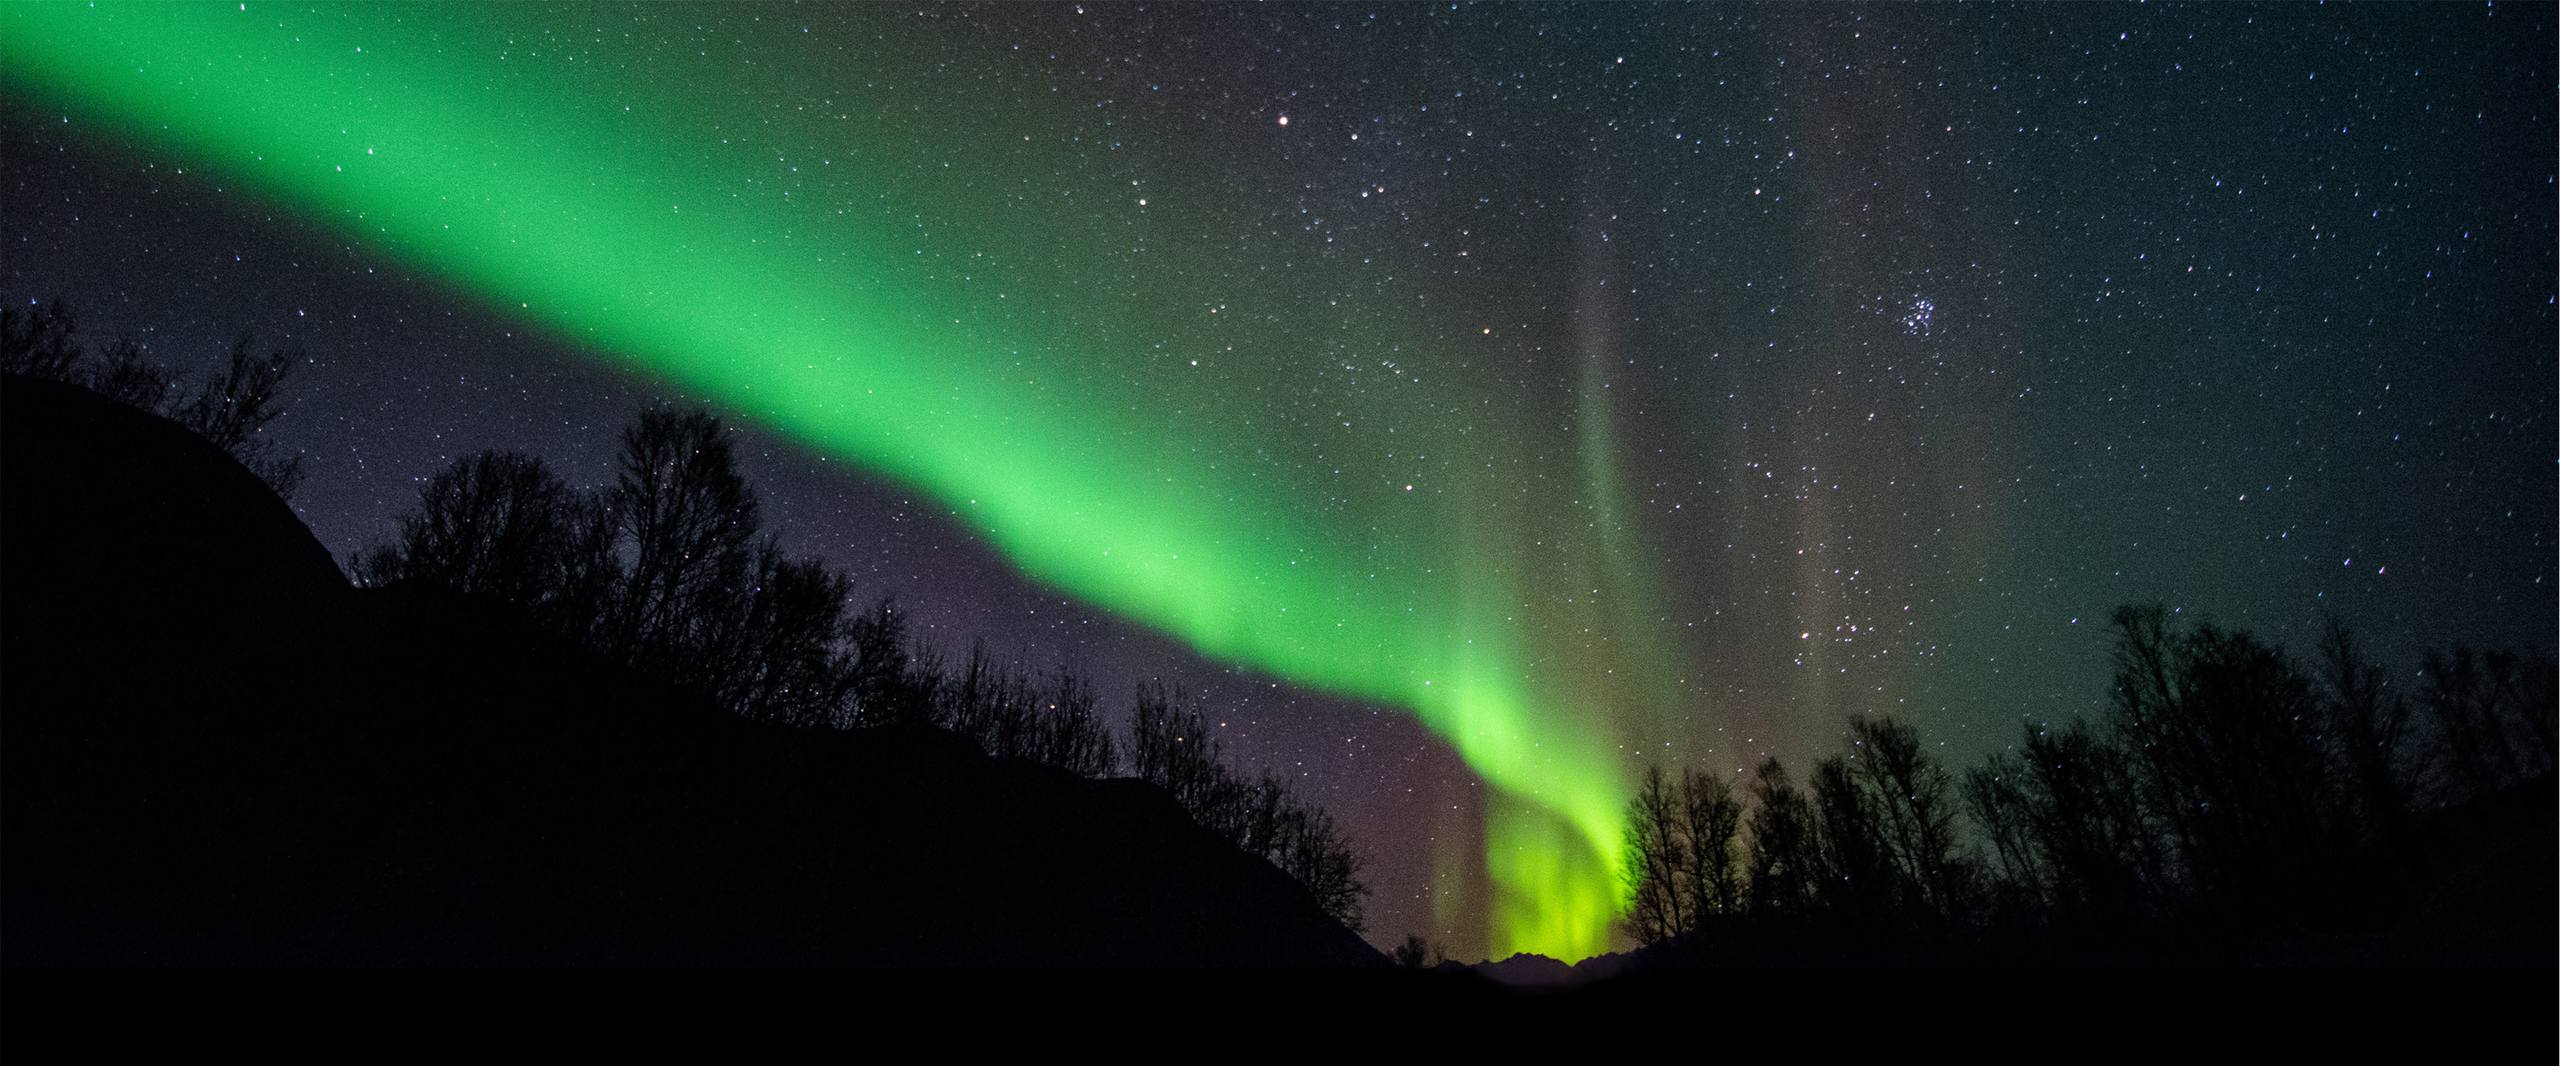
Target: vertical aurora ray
x=934 y=325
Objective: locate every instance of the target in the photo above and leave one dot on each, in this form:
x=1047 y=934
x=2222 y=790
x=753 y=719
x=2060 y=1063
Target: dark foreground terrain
x=217 y=752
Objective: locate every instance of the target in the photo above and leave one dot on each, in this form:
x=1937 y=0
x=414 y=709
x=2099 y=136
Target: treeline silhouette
x=2228 y=805
x=231 y=408
x=667 y=572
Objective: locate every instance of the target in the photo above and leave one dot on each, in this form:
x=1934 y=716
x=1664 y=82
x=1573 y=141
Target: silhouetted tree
x=2107 y=856
x=2492 y=714
x=887 y=688
x=1315 y=852
x=235 y=406
x=493 y=524
x=1681 y=866
x=785 y=652
x=1071 y=734
x=1856 y=880
x=2225 y=740
x=124 y=374
x=39 y=341
x=1415 y=953
x=688 y=517
x=1711 y=822
x=1171 y=746
x=1268 y=810
x=590 y=573
x=991 y=705
x=1908 y=795
x=762 y=634
x=2371 y=726
x=1995 y=795
x=1656 y=857
x=1785 y=858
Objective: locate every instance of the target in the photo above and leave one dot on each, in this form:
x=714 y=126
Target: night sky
x=1470 y=404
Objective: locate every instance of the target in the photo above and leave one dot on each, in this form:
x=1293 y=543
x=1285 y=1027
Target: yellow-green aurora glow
x=896 y=300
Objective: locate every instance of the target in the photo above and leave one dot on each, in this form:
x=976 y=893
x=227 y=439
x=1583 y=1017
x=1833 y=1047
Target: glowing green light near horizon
x=934 y=330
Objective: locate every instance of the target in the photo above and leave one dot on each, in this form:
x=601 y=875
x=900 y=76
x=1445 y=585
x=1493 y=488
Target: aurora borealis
x=1596 y=385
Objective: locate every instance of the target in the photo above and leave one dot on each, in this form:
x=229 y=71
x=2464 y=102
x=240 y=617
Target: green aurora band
x=908 y=302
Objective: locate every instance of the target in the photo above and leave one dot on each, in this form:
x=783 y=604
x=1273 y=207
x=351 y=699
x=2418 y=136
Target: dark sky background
x=1958 y=326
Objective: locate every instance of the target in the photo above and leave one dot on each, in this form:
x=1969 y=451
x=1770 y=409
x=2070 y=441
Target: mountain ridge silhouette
x=221 y=753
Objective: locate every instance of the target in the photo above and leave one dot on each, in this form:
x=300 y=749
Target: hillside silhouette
x=220 y=752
